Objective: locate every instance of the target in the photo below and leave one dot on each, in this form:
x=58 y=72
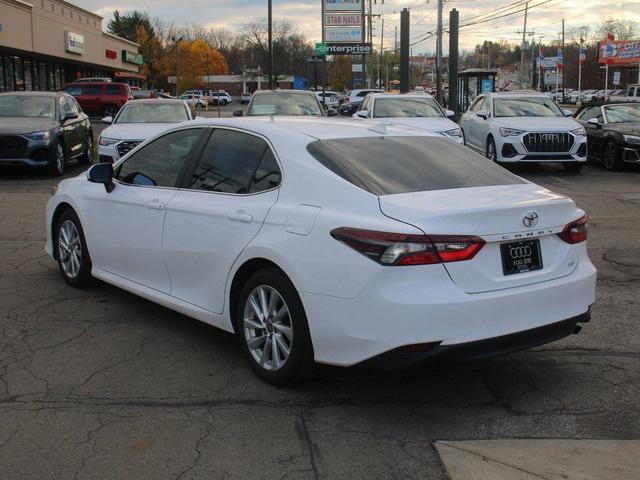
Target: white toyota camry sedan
x=329 y=242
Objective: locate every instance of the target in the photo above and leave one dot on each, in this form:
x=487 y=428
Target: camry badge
x=530 y=219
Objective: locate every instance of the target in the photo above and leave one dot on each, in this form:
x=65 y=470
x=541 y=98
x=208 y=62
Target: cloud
x=545 y=20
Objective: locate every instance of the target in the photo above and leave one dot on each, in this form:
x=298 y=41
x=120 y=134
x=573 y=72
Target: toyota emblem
x=530 y=219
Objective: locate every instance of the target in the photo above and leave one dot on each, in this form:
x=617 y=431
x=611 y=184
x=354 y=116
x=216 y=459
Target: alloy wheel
x=267 y=326
x=610 y=155
x=89 y=155
x=69 y=249
x=60 y=158
x=491 y=151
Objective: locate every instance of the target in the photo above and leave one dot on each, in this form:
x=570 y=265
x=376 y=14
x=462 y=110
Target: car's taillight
x=575 y=232
x=405 y=249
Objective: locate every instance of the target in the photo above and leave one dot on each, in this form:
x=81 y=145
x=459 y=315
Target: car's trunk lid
x=497 y=215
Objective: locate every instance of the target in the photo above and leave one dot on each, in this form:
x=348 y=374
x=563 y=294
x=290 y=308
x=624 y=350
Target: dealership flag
x=560 y=59
x=610 y=37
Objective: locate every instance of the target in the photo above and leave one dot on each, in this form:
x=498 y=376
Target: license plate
x=521 y=257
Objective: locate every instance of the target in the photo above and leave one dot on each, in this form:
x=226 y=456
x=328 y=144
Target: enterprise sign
x=73 y=42
x=349 y=49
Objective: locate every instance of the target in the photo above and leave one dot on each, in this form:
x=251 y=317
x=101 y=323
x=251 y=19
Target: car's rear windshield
x=397 y=164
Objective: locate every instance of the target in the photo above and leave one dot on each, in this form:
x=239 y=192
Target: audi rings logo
x=520 y=252
x=550 y=137
x=530 y=219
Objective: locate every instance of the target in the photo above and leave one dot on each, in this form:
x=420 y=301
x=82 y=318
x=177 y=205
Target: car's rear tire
x=57 y=158
x=277 y=345
x=491 y=152
x=572 y=167
x=611 y=156
x=87 y=157
x=73 y=257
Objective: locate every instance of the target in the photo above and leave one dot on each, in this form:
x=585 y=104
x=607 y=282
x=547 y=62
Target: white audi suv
x=334 y=242
x=526 y=127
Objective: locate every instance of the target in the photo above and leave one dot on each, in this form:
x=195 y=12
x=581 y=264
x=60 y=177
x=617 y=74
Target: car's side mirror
x=102 y=173
x=332 y=112
x=482 y=114
x=450 y=114
x=238 y=112
x=594 y=121
x=108 y=119
x=567 y=113
x=69 y=116
x=363 y=114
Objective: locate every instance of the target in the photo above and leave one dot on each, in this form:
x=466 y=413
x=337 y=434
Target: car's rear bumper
x=423 y=306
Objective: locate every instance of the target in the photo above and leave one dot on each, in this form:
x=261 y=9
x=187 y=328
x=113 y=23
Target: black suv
x=43 y=129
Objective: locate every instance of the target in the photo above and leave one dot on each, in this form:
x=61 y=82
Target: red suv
x=103 y=98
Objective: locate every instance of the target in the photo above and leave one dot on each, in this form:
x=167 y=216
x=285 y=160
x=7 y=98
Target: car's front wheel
x=57 y=159
x=611 y=156
x=491 y=150
x=71 y=250
x=87 y=157
x=272 y=329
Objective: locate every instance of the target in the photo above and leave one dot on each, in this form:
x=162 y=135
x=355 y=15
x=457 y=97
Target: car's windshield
x=622 y=113
x=152 y=113
x=285 y=104
x=526 y=107
x=27 y=106
x=406 y=107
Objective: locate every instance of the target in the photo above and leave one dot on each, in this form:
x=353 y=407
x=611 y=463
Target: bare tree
x=622 y=29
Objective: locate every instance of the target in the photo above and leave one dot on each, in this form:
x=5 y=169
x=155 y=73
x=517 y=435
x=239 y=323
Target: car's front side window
x=160 y=162
x=235 y=162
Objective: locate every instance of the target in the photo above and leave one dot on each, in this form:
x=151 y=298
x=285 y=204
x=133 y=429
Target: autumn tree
x=195 y=59
x=621 y=28
x=340 y=75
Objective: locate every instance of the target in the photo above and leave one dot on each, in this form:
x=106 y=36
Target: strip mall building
x=47 y=43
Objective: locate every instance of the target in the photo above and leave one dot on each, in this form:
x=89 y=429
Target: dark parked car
x=100 y=98
x=348 y=109
x=43 y=129
x=613 y=133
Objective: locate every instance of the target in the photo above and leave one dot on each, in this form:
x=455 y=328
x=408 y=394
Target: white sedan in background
x=525 y=127
x=411 y=110
x=137 y=121
x=320 y=241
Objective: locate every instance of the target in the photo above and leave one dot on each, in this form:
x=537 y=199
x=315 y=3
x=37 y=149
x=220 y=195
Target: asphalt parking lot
x=101 y=384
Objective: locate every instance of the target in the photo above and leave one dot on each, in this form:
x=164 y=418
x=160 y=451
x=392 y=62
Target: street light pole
x=270 y=41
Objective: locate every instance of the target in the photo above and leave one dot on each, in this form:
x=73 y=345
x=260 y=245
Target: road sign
x=616 y=78
x=342 y=34
x=356 y=68
x=321 y=49
x=349 y=49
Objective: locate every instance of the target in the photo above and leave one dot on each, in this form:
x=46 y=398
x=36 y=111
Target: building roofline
x=74 y=6
x=21 y=3
x=120 y=38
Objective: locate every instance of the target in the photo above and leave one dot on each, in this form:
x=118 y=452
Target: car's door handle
x=239 y=217
x=155 y=206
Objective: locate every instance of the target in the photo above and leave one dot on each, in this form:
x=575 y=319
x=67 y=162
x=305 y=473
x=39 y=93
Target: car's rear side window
x=93 y=89
x=396 y=164
x=115 y=90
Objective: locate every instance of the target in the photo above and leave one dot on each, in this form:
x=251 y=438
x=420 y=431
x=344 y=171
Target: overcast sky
x=305 y=15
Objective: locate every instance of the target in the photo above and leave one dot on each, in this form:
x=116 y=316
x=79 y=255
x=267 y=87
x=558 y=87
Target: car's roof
x=297 y=92
x=400 y=95
x=314 y=128
x=518 y=93
x=35 y=94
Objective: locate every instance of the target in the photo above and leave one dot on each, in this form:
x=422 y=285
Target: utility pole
x=563 y=65
x=381 y=49
x=454 y=20
x=524 y=34
x=439 y=54
x=270 y=40
x=404 y=50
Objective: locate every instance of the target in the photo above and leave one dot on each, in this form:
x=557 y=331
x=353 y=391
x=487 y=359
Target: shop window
x=2 y=87
x=18 y=73
x=28 y=83
x=42 y=76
